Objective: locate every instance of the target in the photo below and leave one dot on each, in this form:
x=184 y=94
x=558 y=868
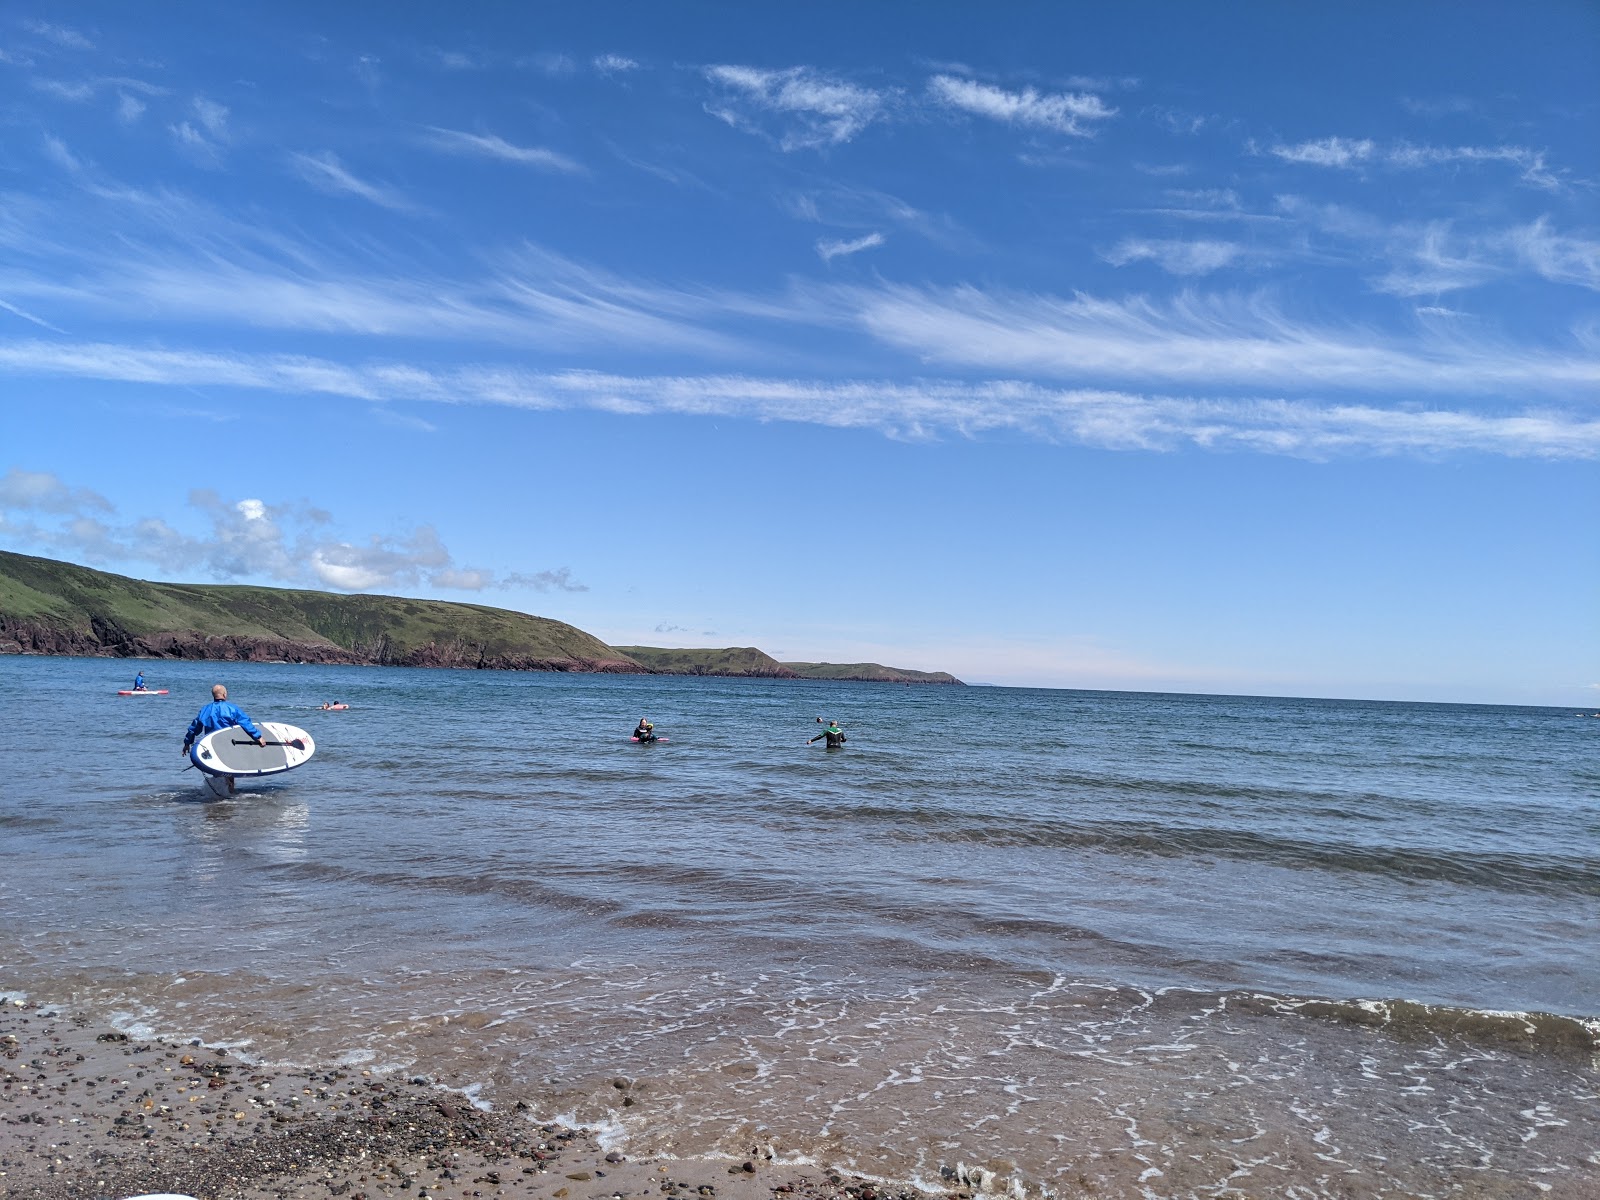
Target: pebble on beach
x=92 y=1115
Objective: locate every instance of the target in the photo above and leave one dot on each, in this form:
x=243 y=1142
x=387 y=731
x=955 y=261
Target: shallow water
x=1165 y=945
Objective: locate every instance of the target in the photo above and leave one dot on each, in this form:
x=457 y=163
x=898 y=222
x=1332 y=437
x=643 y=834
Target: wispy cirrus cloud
x=830 y=249
x=205 y=133
x=325 y=172
x=1110 y=419
x=62 y=35
x=1176 y=256
x=1431 y=258
x=242 y=539
x=819 y=109
x=1061 y=112
x=56 y=151
x=613 y=64
x=160 y=256
x=1195 y=340
x=75 y=91
x=1353 y=153
x=488 y=145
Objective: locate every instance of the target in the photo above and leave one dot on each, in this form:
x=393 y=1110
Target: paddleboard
x=634 y=739
x=225 y=752
x=143 y=692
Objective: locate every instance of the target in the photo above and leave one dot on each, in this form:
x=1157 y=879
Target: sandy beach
x=89 y=1112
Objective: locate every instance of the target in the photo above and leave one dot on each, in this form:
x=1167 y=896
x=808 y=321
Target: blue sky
x=1243 y=348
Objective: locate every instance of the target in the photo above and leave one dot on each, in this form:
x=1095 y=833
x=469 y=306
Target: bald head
x=218 y=692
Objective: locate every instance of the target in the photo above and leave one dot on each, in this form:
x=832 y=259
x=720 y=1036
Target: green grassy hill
x=868 y=673
x=58 y=608
x=735 y=660
x=747 y=660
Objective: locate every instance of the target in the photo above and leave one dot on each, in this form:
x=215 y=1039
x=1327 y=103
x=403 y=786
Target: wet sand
x=86 y=1112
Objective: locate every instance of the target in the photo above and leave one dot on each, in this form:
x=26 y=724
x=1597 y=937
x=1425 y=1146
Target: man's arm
x=248 y=725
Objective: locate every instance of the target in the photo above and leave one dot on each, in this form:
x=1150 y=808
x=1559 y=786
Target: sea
x=1035 y=943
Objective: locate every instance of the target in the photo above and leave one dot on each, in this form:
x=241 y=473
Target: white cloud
x=44 y=492
x=489 y=146
x=1557 y=257
x=1329 y=152
x=244 y=539
x=1062 y=112
x=203 y=138
x=56 y=151
x=213 y=117
x=76 y=93
x=612 y=64
x=1194 y=340
x=1176 y=257
x=824 y=111
x=61 y=35
x=129 y=108
x=14 y=310
x=1111 y=419
x=830 y=249
x=325 y=172
x=1353 y=152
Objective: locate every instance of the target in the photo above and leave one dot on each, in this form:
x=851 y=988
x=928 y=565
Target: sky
x=1165 y=347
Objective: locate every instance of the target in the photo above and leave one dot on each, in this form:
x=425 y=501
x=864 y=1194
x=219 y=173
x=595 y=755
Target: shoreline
x=92 y=1112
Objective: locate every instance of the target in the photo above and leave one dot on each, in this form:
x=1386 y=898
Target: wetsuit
x=219 y=714
x=645 y=733
x=835 y=737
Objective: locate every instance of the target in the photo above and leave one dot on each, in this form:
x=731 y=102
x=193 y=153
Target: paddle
x=296 y=744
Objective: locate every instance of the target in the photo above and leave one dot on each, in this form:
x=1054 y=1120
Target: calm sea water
x=1088 y=942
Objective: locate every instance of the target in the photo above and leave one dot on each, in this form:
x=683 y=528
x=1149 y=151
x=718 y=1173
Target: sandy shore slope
x=85 y=1113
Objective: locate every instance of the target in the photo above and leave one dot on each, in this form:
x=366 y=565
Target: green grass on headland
x=51 y=607
x=735 y=660
x=59 y=607
x=868 y=673
x=747 y=660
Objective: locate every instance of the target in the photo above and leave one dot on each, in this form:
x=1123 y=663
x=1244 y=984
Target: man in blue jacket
x=219 y=714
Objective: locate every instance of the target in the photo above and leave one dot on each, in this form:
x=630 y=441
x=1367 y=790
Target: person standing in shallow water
x=833 y=733
x=645 y=732
x=219 y=714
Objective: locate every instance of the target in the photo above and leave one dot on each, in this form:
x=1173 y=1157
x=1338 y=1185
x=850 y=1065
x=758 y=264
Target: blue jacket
x=219 y=714
x=138 y=680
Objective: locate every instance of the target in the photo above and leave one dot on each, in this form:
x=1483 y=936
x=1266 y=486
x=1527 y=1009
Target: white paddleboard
x=230 y=752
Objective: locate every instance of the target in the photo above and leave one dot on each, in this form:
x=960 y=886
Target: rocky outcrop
x=106 y=639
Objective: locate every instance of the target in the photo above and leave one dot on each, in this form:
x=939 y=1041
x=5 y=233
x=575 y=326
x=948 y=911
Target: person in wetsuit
x=833 y=733
x=646 y=732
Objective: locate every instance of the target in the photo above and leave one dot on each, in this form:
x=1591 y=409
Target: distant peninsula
x=747 y=660
x=53 y=607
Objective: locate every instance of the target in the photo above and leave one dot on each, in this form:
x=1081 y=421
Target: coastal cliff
x=50 y=607
x=748 y=661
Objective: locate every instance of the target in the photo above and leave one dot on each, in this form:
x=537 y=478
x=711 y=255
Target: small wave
x=1542 y=874
x=1549 y=1033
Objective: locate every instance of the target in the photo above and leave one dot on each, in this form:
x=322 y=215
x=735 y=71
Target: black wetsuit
x=644 y=734
x=835 y=737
